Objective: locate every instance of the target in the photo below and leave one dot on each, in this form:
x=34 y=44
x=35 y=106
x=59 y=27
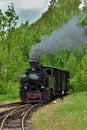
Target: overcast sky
x=26 y=9
x=30 y=9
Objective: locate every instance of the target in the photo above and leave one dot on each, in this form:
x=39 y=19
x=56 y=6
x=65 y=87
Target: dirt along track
x=16 y=115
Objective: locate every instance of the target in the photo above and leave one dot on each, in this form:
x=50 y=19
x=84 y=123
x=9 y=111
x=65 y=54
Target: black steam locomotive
x=43 y=83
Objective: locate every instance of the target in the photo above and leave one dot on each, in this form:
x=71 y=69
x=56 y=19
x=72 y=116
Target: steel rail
x=13 y=111
x=20 y=117
x=10 y=104
x=23 y=119
x=6 y=112
x=20 y=110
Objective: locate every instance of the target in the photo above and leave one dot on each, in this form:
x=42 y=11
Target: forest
x=16 y=43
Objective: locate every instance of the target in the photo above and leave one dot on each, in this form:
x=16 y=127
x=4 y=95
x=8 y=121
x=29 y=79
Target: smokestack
x=33 y=62
x=68 y=36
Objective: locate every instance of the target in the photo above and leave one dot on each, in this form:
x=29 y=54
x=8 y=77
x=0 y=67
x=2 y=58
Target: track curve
x=17 y=115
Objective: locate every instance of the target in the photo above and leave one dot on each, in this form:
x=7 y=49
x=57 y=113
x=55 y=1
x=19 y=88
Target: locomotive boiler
x=43 y=83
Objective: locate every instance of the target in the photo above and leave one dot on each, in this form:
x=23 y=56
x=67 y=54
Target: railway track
x=16 y=116
x=10 y=104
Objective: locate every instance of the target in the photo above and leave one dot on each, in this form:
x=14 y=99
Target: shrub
x=3 y=88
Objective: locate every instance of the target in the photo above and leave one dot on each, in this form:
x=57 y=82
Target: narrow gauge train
x=43 y=83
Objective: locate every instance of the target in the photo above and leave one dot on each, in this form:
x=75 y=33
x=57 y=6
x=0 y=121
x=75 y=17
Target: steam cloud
x=68 y=36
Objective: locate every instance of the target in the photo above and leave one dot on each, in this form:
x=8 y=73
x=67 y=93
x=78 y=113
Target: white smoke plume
x=70 y=35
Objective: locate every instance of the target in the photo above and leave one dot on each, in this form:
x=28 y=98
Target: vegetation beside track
x=69 y=114
x=8 y=98
x=12 y=95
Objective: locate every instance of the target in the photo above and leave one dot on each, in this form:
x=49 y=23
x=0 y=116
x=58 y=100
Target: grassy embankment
x=70 y=114
x=11 y=96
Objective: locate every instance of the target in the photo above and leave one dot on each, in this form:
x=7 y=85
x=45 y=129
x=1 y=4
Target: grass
x=12 y=95
x=8 y=98
x=70 y=114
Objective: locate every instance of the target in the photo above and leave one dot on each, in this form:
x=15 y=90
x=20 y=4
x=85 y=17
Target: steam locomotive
x=43 y=83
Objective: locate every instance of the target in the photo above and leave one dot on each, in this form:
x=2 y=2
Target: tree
x=2 y=21
x=53 y=3
x=11 y=16
x=8 y=22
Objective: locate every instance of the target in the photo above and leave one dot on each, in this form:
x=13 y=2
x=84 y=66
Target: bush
x=13 y=90
x=3 y=88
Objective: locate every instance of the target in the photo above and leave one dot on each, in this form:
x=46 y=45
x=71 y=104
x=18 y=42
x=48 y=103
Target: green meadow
x=69 y=114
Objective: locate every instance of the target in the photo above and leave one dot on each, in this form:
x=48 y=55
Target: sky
x=26 y=9
x=30 y=9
